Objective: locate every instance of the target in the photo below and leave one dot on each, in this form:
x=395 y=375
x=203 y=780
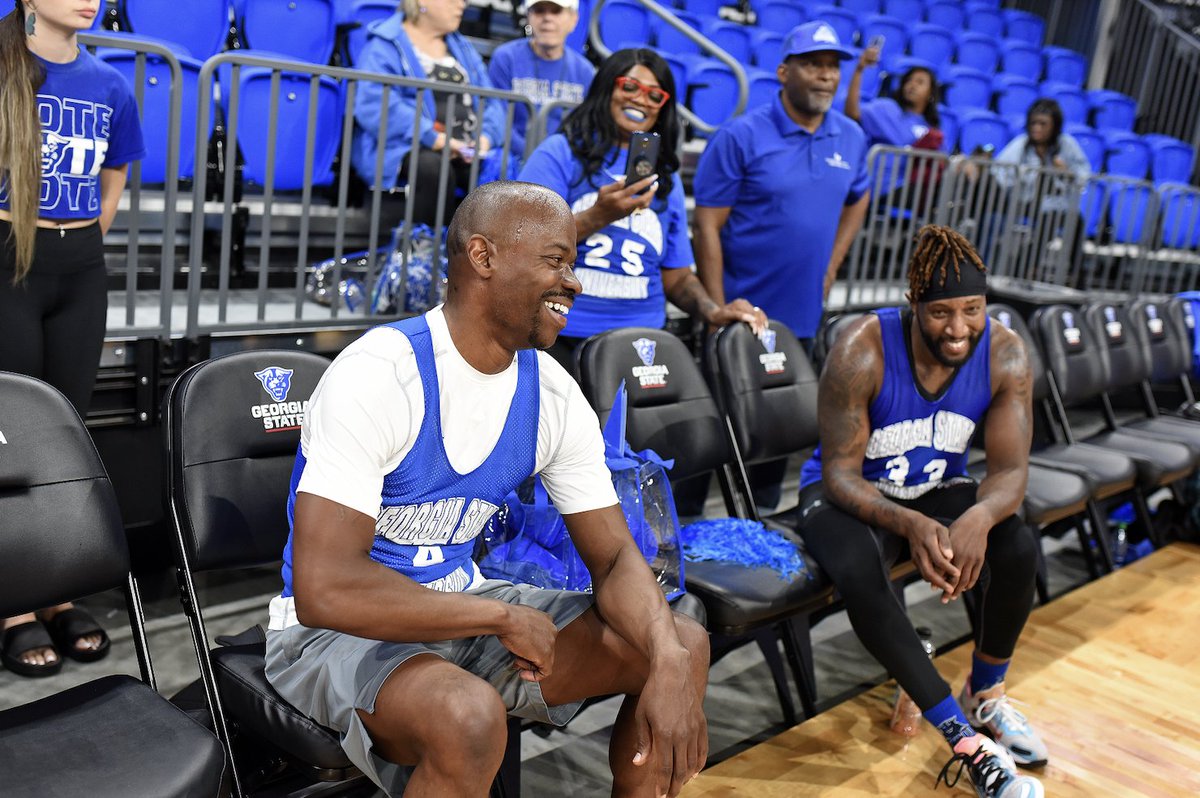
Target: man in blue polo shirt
x=781 y=191
x=542 y=67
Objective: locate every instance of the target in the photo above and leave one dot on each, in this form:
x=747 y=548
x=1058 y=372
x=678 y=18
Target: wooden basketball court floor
x=1110 y=675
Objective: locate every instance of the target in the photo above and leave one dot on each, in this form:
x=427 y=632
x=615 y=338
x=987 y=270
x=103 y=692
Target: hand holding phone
x=643 y=157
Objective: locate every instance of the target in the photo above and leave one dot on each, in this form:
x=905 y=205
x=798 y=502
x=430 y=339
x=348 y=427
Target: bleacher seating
x=202 y=26
x=1021 y=58
x=1024 y=26
x=1071 y=98
x=977 y=50
x=843 y=21
x=894 y=32
x=624 y=23
x=669 y=40
x=1014 y=94
x=931 y=43
x=984 y=18
x=1112 y=110
x=908 y=10
x=1126 y=155
x=362 y=14
x=780 y=16
x=713 y=90
x=301 y=29
x=967 y=87
x=764 y=85
x=862 y=7
x=1171 y=160
x=1091 y=142
x=981 y=130
x=947 y=15
x=768 y=47
x=730 y=37
x=1064 y=66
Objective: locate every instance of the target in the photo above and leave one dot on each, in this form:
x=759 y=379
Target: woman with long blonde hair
x=68 y=131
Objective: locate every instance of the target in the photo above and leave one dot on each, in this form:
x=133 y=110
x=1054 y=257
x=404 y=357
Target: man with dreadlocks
x=900 y=398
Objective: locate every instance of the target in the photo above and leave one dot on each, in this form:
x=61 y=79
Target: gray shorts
x=328 y=675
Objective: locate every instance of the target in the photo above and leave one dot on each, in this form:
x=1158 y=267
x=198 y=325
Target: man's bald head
x=499 y=211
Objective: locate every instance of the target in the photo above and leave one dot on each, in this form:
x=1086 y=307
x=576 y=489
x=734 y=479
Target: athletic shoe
x=992 y=771
x=993 y=713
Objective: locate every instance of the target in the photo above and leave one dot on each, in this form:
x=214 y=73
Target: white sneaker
x=993 y=713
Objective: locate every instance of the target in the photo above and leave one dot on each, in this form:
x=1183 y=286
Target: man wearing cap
x=542 y=67
x=781 y=191
x=901 y=396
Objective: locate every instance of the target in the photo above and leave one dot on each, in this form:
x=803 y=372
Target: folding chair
x=61 y=539
x=671 y=410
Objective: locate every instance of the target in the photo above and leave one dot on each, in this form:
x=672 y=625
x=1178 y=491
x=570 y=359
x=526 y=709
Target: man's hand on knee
x=530 y=634
x=671 y=728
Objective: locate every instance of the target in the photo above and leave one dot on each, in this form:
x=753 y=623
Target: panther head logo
x=645 y=349
x=276 y=381
x=54 y=152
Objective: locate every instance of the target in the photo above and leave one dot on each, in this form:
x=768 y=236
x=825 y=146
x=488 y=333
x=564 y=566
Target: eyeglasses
x=631 y=87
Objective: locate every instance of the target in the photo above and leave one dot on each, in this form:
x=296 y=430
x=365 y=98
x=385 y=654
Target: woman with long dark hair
x=909 y=118
x=68 y=130
x=633 y=247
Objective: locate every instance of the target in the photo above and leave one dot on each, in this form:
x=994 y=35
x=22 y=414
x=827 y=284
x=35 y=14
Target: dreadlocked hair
x=938 y=249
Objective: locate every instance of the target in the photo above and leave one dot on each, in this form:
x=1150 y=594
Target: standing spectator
x=540 y=67
x=634 y=251
x=68 y=132
x=421 y=40
x=781 y=192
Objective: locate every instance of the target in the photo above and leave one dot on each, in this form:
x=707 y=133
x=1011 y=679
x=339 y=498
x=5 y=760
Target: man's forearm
x=631 y=602
x=688 y=294
x=849 y=223
x=1001 y=493
x=861 y=499
x=710 y=262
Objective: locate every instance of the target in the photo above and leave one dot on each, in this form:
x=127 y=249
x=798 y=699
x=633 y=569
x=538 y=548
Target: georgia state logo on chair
x=648 y=374
x=281 y=414
x=772 y=361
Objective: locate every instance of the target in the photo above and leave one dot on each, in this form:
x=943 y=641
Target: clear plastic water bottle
x=1120 y=545
x=906 y=717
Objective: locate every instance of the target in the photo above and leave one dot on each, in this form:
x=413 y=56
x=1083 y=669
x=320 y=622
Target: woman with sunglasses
x=633 y=247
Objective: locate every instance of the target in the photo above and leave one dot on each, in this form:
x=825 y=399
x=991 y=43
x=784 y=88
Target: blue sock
x=950 y=720
x=985 y=675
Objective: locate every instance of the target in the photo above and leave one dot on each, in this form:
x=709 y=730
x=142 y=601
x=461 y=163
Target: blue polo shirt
x=786 y=189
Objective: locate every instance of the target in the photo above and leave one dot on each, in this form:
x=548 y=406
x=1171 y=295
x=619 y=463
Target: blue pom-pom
x=744 y=542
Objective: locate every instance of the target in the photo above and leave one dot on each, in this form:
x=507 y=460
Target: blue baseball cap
x=814 y=37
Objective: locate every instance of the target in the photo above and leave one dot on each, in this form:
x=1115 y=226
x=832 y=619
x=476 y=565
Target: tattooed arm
x=1007 y=431
x=852 y=377
x=687 y=293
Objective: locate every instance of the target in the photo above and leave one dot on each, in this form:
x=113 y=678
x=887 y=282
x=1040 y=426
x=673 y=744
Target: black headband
x=970 y=281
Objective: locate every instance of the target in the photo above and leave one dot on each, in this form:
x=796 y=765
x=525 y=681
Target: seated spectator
x=634 y=251
x=1043 y=144
x=540 y=67
x=421 y=41
x=909 y=119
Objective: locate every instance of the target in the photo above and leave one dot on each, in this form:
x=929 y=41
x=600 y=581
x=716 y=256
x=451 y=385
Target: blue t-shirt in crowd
x=918 y=441
x=885 y=122
x=620 y=266
x=786 y=188
x=516 y=67
x=89 y=120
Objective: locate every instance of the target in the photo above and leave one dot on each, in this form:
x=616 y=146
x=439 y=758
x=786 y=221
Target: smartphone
x=877 y=42
x=643 y=157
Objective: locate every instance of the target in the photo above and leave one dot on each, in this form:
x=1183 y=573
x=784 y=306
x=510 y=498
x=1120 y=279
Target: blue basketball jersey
x=431 y=514
x=919 y=441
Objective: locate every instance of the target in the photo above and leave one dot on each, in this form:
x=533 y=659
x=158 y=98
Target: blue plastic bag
x=527 y=541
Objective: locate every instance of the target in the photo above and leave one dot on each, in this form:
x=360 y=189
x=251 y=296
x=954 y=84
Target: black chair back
x=768 y=387
x=1072 y=353
x=1162 y=326
x=670 y=408
x=60 y=528
x=1128 y=354
x=1009 y=317
x=234 y=427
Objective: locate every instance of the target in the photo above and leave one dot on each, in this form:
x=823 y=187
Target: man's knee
x=470 y=718
x=694 y=638
x=1012 y=549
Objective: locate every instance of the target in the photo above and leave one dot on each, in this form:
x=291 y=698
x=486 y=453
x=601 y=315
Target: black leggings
x=52 y=323
x=858 y=557
x=425 y=186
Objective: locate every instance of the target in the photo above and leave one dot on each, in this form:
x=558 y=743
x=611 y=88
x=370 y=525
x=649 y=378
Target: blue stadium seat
x=984 y=18
x=907 y=10
x=780 y=16
x=767 y=46
x=843 y=21
x=1127 y=206
x=1014 y=94
x=156 y=105
x=670 y=40
x=1071 y=99
x=701 y=8
x=977 y=50
x=1126 y=154
x=1171 y=160
x=1180 y=216
x=1065 y=66
x=199 y=25
x=577 y=39
x=981 y=130
x=1021 y=58
x=862 y=7
x=1024 y=26
x=679 y=65
x=302 y=29
x=623 y=21
x=363 y=13
x=713 y=90
x=894 y=32
x=869 y=88
x=931 y=43
x=947 y=14
x=949 y=128
x=1091 y=142
x=764 y=85
x=967 y=87
x=1092 y=204
x=291 y=114
x=1016 y=124
x=730 y=37
x=1112 y=110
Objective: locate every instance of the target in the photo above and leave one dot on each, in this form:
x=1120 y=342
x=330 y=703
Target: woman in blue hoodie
x=421 y=41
